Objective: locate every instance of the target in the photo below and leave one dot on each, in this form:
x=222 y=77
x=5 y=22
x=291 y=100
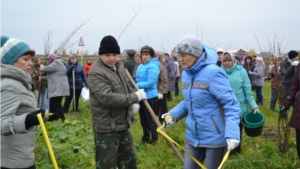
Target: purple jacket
x=170 y=66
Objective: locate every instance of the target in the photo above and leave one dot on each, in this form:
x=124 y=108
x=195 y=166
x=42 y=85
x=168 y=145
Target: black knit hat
x=109 y=45
x=130 y=52
x=148 y=49
x=292 y=54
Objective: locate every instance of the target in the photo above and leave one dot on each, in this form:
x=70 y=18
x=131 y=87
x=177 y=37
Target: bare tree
x=47 y=43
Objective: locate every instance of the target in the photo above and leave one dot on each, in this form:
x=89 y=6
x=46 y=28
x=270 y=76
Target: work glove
x=255 y=111
x=232 y=143
x=134 y=108
x=250 y=72
x=281 y=109
x=32 y=119
x=141 y=94
x=168 y=119
x=295 y=63
x=160 y=96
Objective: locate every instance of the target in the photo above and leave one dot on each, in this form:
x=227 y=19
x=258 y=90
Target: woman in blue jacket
x=209 y=103
x=240 y=83
x=80 y=78
x=146 y=78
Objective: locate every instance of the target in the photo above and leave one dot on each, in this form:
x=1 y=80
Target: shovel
x=74 y=112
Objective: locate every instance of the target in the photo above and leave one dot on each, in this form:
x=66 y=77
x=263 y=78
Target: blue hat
x=12 y=49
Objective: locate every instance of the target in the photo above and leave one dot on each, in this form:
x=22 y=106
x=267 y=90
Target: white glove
x=256 y=110
x=160 y=96
x=141 y=94
x=134 y=108
x=295 y=63
x=169 y=119
x=232 y=143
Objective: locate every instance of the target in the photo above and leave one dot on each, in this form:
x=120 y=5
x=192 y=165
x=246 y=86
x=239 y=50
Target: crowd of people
x=216 y=86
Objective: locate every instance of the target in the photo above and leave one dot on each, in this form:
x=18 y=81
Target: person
x=162 y=85
x=79 y=79
x=138 y=58
x=249 y=67
x=169 y=64
x=287 y=71
x=18 y=105
x=274 y=77
x=177 y=75
x=293 y=100
x=112 y=102
x=57 y=83
x=220 y=52
x=209 y=103
x=88 y=67
x=237 y=60
x=40 y=86
x=240 y=83
x=258 y=81
x=270 y=67
x=147 y=75
x=130 y=63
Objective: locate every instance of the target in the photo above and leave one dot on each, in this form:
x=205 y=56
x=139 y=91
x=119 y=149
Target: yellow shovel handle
x=47 y=141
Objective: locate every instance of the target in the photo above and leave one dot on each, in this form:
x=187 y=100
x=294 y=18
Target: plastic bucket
x=254 y=120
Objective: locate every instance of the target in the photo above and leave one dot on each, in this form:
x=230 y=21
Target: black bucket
x=252 y=131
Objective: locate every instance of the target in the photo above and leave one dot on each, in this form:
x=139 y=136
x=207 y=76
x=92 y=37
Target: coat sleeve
x=293 y=90
x=258 y=72
x=69 y=70
x=180 y=111
x=84 y=77
x=10 y=122
x=52 y=67
x=152 y=77
x=247 y=90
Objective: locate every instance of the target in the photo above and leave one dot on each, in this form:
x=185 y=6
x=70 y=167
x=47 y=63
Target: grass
x=73 y=144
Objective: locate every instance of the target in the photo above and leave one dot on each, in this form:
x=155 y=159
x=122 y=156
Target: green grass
x=73 y=144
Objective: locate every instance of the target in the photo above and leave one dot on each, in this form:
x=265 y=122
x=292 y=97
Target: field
x=73 y=144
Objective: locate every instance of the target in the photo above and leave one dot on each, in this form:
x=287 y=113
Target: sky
x=161 y=24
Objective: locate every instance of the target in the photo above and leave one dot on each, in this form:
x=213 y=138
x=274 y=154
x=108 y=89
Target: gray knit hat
x=191 y=45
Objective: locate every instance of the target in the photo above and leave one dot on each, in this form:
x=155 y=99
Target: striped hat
x=12 y=49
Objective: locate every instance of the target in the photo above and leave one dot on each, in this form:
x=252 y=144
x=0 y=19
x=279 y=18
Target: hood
x=209 y=56
x=13 y=72
x=155 y=61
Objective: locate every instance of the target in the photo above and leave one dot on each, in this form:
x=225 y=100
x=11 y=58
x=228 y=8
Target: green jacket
x=111 y=95
x=17 y=101
x=240 y=83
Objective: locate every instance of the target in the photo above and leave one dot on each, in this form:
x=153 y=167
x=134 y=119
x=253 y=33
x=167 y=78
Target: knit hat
x=292 y=54
x=148 y=49
x=73 y=54
x=260 y=59
x=109 y=45
x=12 y=49
x=51 y=57
x=130 y=52
x=191 y=45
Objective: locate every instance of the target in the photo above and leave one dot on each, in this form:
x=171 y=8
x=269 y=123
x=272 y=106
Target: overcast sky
x=160 y=23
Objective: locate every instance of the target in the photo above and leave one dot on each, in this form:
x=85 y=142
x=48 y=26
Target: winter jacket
x=79 y=75
x=35 y=73
x=177 y=70
x=258 y=75
x=162 y=80
x=147 y=77
x=287 y=71
x=169 y=64
x=240 y=83
x=209 y=103
x=249 y=67
x=131 y=64
x=111 y=95
x=274 y=77
x=17 y=101
x=294 y=99
x=56 y=78
x=87 y=68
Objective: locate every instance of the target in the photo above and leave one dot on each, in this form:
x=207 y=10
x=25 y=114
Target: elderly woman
x=209 y=103
x=18 y=105
x=258 y=80
x=240 y=83
x=58 y=85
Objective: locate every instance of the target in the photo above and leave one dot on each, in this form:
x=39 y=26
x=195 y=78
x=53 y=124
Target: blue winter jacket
x=210 y=105
x=240 y=83
x=147 y=77
x=80 y=77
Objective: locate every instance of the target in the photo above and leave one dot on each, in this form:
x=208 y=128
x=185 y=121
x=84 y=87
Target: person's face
x=24 y=63
x=73 y=60
x=109 y=59
x=248 y=61
x=220 y=56
x=237 y=61
x=137 y=58
x=166 y=57
x=257 y=63
x=38 y=62
x=227 y=63
x=146 y=56
x=88 y=61
x=187 y=60
x=254 y=59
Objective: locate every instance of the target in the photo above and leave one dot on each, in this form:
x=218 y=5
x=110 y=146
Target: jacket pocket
x=215 y=124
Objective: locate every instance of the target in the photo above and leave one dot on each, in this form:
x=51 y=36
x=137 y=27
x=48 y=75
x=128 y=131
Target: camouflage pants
x=115 y=149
